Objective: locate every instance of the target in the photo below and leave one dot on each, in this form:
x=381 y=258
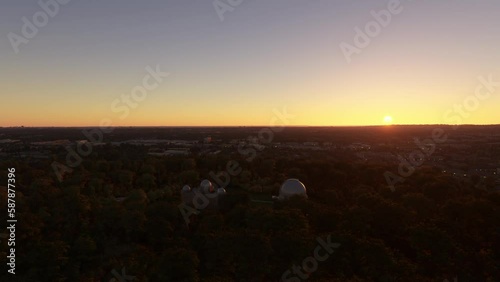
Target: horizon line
x=234 y=126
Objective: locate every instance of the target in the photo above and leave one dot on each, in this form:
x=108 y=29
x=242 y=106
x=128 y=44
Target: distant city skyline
x=429 y=63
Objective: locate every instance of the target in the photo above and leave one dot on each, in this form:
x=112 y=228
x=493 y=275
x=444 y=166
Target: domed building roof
x=186 y=188
x=292 y=187
x=206 y=186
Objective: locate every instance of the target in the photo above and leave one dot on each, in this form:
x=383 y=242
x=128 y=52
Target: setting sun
x=388 y=120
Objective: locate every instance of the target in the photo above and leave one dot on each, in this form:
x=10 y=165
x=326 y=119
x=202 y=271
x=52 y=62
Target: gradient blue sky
x=265 y=55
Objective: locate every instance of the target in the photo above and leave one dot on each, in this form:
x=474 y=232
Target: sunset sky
x=264 y=55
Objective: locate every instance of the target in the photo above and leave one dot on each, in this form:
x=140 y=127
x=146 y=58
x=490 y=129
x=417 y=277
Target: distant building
x=313 y=144
x=206 y=192
x=358 y=147
x=54 y=143
x=8 y=141
x=171 y=152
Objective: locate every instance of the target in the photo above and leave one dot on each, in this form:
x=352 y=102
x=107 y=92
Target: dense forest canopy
x=118 y=215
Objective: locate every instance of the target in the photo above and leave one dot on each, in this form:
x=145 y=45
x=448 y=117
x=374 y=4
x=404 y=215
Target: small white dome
x=206 y=186
x=221 y=191
x=186 y=188
x=292 y=187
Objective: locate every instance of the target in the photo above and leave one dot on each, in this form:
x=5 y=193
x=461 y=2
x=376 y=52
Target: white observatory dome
x=186 y=188
x=206 y=186
x=292 y=187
